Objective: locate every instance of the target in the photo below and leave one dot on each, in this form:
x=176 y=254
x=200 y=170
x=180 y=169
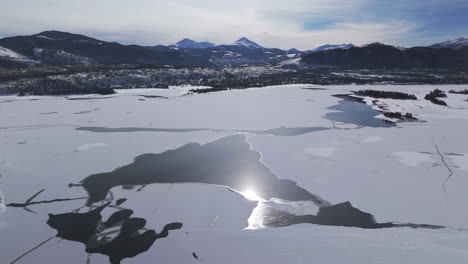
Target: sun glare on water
x=251 y=195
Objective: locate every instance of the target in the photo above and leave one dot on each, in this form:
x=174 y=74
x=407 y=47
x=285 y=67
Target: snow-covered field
x=413 y=172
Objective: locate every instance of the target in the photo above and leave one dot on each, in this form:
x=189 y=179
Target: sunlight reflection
x=251 y=195
x=255 y=220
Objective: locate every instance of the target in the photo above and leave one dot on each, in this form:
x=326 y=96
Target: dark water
x=228 y=161
x=355 y=111
x=342 y=214
x=119 y=236
x=92 y=231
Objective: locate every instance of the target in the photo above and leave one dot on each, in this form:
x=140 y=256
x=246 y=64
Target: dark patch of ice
x=343 y=214
x=88 y=229
x=154 y=96
x=82 y=112
x=228 y=161
x=120 y=201
x=315 y=88
x=352 y=110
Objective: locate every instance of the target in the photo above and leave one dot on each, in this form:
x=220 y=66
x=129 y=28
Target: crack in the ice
x=335 y=126
x=320 y=158
x=44 y=202
x=442 y=159
x=29 y=201
x=31 y=250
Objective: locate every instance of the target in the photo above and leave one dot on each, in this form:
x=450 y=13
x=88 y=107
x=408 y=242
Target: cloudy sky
x=302 y=24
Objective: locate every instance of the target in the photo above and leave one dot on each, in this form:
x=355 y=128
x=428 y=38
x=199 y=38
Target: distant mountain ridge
x=190 y=44
x=62 y=48
x=245 y=42
x=51 y=48
x=380 y=56
x=242 y=52
x=329 y=47
x=452 y=44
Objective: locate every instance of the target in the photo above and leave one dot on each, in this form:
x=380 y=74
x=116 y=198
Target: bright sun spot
x=251 y=195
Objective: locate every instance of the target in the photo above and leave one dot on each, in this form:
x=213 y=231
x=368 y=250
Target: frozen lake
x=253 y=176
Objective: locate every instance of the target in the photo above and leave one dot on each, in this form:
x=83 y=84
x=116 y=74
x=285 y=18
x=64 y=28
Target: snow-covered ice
x=413 y=172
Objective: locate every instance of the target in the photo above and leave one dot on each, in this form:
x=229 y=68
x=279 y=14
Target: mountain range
x=243 y=52
x=190 y=44
x=452 y=44
x=61 y=48
x=380 y=56
x=51 y=48
x=330 y=47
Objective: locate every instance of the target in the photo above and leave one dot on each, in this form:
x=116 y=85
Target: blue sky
x=436 y=20
x=302 y=24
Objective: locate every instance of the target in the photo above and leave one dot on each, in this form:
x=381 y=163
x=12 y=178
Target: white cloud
x=356 y=33
x=149 y=22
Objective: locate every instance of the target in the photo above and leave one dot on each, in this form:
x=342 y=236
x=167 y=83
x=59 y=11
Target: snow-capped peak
x=190 y=44
x=247 y=43
x=452 y=44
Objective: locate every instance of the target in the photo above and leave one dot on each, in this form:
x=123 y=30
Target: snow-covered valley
x=226 y=165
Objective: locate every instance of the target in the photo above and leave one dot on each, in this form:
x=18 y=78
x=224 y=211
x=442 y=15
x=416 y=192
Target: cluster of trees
x=398 y=115
x=459 y=92
x=48 y=86
x=94 y=77
x=103 y=78
x=386 y=94
x=328 y=77
x=434 y=97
